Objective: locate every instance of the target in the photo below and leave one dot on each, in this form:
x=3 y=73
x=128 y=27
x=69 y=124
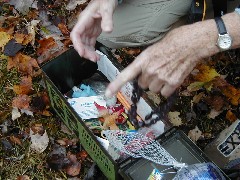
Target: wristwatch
x=224 y=41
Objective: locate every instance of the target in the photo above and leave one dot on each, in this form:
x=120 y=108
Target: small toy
x=84 y=91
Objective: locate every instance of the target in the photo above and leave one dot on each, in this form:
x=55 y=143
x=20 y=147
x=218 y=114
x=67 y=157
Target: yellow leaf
x=195 y=86
x=206 y=73
x=4 y=38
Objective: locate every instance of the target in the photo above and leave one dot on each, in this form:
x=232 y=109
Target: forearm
x=204 y=35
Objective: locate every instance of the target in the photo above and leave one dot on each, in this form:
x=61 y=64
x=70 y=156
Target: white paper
x=111 y=72
x=85 y=107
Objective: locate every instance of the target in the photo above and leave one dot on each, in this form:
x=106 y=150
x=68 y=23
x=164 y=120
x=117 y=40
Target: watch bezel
x=220 y=37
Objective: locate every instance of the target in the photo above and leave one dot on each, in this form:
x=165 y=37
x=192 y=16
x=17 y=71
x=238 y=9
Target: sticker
x=155 y=175
x=232 y=142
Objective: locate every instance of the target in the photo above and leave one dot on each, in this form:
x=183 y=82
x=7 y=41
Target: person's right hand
x=96 y=17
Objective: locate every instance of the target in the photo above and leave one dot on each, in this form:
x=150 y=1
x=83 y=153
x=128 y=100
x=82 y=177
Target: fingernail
x=108 y=93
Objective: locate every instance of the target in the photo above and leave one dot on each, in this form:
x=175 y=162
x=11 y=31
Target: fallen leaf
x=39 y=141
x=23 y=177
x=25 y=86
x=82 y=155
x=15 y=113
x=25 y=64
x=21 y=101
x=4 y=38
x=231 y=116
x=38 y=129
x=73 y=169
x=31 y=27
x=27 y=112
x=198 y=97
x=63 y=28
x=174 y=118
x=22 y=6
x=23 y=39
x=57 y=159
x=65 y=142
x=213 y=113
x=195 y=134
x=12 y=47
x=216 y=102
x=15 y=140
x=206 y=73
x=228 y=90
x=46 y=44
x=195 y=86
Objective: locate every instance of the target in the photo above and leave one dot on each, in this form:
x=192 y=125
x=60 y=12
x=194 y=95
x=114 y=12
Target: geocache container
x=68 y=70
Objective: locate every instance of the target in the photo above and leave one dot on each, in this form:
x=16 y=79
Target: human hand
x=95 y=18
x=163 y=66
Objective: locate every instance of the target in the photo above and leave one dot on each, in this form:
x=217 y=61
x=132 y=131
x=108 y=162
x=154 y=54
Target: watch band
x=220 y=25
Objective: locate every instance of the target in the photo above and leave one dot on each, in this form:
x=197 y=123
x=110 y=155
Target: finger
x=107 y=19
x=128 y=74
x=167 y=90
x=144 y=81
x=156 y=85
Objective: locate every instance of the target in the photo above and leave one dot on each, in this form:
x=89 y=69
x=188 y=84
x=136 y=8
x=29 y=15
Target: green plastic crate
x=61 y=74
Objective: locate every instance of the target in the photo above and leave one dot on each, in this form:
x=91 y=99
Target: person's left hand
x=95 y=18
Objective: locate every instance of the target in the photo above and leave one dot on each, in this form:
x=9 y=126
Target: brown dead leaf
x=23 y=177
x=25 y=64
x=132 y=51
x=23 y=39
x=216 y=102
x=21 y=101
x=228 y=90
x=38 y=129
x=63 y=28
x=15 y=140
x=25 y=86
x=231 y=116
x=65 y=142
x=73 y=169
x=46 y=44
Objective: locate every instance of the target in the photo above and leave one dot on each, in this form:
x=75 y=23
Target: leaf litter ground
x=208 y=100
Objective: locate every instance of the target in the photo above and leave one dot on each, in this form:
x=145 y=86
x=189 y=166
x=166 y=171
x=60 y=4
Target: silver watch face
x=224 y=41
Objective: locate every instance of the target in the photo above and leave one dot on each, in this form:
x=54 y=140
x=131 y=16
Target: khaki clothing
x=143 y=22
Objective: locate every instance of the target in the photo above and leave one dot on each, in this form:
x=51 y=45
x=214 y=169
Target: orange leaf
x=63 y=28
x=25 y=86
x=23 y=39
x=21 y=101
x=25 y=64
x=46 y=44
x=231 y=116
x=82 y=155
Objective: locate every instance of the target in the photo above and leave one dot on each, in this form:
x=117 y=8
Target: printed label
x=232 y=142
x=85 y=106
